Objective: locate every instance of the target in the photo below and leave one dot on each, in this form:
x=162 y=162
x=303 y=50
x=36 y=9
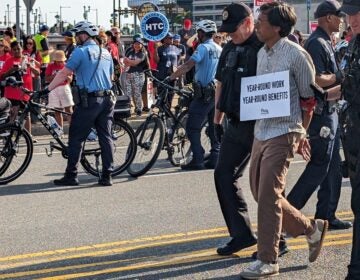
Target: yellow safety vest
x=38 y=38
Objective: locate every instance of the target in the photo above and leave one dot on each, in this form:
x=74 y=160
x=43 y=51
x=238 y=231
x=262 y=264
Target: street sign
x=29 y=4
x=154 y=26
x=145 y=8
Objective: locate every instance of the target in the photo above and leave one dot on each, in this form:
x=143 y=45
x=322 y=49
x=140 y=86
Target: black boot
x=67 y=180
x=105 y=179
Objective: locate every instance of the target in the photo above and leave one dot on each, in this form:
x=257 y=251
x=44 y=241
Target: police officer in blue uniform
x=205 y=58
x=351 y=91
x=324 y=168
x=94 y=68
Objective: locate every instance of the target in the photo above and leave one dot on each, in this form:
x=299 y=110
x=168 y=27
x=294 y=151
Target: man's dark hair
x=14 y=44
x=280 y=14
x=9 y=33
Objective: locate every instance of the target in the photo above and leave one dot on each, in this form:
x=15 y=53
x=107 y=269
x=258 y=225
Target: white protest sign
x=265 y=96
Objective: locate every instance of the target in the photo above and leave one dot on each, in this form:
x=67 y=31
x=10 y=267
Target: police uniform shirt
x=206 y=57
x=83 y=63
x=229 y=48
x=318 y=45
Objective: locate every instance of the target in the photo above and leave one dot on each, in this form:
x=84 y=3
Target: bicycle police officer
x=94 y=68
x=351 y=91
x=205 y=59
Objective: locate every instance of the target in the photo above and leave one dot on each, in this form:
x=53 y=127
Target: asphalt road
x=165 y=225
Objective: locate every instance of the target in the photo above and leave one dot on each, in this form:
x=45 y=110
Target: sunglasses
x=1 y=46
x=29 y=43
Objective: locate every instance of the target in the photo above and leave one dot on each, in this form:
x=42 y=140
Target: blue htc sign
x=154 y=26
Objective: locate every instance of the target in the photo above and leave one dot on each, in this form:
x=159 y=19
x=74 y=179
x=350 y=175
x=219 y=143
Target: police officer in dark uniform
x=324 y=167
x=94 y=68
x=351 y=127
x=238 y=59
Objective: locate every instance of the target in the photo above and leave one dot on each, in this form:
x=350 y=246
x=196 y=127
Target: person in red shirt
x=34 y=57
x=19 y=67
x=4 y=55
x=60 y=97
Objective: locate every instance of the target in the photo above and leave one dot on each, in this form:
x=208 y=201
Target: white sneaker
x=260 y=270
x=315 y=240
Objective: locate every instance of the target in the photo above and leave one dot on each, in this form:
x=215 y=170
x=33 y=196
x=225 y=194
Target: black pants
x=322 y=170
x=99 y=115
x=234 y=155
x=352 y=149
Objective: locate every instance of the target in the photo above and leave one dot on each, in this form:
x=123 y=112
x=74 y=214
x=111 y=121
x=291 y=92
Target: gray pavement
x=164 y=225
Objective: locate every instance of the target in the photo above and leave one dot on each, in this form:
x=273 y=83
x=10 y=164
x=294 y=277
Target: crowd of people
x=323 y=70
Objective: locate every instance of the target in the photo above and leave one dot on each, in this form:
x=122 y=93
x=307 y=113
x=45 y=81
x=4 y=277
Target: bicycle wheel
x=150 y=137
x=16 y=149
x=179 y=148
x=124 y=141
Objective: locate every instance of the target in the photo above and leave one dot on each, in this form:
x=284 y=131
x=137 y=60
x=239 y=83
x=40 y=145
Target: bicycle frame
x=164 y=113
x=31 y=107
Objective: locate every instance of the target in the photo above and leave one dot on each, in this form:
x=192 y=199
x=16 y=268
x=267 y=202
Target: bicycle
x=16 y=144
x=162 y=129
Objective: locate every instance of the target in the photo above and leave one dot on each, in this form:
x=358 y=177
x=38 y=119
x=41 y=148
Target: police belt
x=100 y=93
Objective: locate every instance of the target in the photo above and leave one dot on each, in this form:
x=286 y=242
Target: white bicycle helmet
x=206 y=26
x=340 y=45
x=86 y=26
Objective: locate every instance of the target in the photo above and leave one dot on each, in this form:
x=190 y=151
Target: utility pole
x=61 y=19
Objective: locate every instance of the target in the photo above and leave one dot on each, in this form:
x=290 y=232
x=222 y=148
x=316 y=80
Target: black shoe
x=339 y=224
x=193 y=166
x=67 y=181
x=283 y=249
x=234 y=246
x=145 y=109
x=105 y=181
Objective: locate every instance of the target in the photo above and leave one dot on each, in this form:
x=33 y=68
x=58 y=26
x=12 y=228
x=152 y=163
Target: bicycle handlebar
x=164 y=84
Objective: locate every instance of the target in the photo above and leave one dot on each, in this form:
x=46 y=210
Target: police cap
x=351 y=7
x=328 y=7
x=233 y=15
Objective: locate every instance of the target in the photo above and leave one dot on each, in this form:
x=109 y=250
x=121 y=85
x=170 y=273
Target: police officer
x=351 y=91
x=94 y=68
x=324 y=167
x=238 y=59
x=205 y=59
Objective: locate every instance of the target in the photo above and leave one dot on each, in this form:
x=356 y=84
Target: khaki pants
x=269 y=165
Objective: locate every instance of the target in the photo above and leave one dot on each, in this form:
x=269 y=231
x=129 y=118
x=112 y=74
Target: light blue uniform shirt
x=83 y=62
x=206 y=57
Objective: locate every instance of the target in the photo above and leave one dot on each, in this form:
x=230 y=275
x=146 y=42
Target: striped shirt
x=286 y=55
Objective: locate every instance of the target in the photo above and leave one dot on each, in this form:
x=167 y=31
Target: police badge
x=225 y=15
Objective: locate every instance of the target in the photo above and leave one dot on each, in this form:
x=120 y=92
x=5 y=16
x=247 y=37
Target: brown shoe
x=315 y=240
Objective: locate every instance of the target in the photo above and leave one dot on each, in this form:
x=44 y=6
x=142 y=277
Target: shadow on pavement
x=141 y=261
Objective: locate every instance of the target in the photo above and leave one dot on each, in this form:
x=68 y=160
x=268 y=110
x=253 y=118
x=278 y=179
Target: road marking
x=216 y=232
x=299 y=243
x=175 y=259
